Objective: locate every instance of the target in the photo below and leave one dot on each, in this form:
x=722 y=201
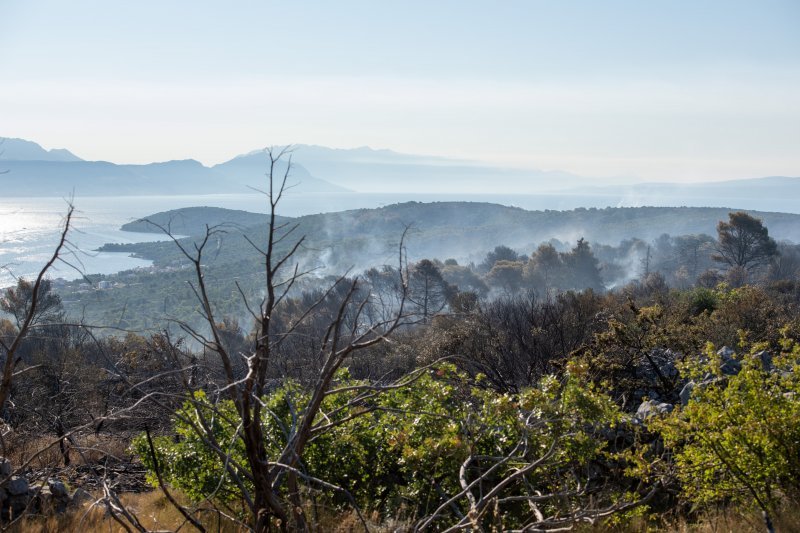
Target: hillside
x=250 y=169
x=465 y=230
x=360 y=239
x=193 y=221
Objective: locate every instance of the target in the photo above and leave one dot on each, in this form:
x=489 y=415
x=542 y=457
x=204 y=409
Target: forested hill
x=484 y=223
x=456 y=229
x=353 y=241
x=194 y=220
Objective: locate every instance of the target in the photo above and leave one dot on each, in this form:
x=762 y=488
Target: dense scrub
x=569 y=370
x=518 y=393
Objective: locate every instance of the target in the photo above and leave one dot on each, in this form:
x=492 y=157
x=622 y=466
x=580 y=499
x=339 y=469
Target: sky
x=658 y=90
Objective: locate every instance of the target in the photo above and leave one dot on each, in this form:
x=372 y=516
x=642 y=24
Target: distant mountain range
x=375 y=171
x=30 y=170
x=22 y=150
x=33 y=171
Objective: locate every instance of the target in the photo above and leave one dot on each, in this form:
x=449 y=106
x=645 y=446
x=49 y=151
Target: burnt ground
x=122 y=476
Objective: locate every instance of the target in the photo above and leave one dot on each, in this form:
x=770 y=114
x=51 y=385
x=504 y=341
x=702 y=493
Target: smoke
x=628 y=264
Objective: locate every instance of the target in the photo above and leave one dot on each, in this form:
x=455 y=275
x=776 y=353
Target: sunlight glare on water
x=30 y=230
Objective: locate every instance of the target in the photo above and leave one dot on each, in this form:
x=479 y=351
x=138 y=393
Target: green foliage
x=186 y=460
x=401 y=451
x=737 y=439
x=702 y=300
x=750 y=309
x=582 y=267
x=625 y=356
x=506 y=275
x=744 y=241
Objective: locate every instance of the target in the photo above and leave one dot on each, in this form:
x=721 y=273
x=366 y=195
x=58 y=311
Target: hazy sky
x=663 y=90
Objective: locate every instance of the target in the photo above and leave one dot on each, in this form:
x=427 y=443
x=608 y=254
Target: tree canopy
x=744 y=241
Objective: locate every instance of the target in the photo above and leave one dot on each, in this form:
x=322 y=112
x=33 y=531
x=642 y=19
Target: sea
x=30 y=227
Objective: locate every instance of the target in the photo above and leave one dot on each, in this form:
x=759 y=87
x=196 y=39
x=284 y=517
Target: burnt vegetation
x=532 y=389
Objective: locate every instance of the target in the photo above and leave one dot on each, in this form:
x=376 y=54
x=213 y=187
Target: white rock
x=652 y=408
x=686 y=392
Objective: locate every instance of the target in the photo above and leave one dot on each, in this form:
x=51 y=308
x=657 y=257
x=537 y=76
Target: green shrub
x=738 y=438
x=400 y=452
x=702 y=300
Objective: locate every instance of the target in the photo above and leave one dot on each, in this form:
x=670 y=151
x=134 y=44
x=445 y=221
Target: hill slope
x=364 y=238
x=193 y=221
x=466 y=230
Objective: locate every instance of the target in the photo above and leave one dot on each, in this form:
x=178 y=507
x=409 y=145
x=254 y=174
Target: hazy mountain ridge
x=252 y=169
x=325 y=170
x=466 y=230
x=22 y=150
x=62 y=176
x=368 y=170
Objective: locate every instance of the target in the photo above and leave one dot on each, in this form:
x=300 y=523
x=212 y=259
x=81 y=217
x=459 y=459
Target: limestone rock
x=653 y=408
x=766 y=360
x=730 y=365
x=726 y=353
x=686 y=392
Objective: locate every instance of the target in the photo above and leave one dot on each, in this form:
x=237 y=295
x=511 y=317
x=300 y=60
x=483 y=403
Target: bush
x=737 y=440
x=702 y=300
x=400 y=453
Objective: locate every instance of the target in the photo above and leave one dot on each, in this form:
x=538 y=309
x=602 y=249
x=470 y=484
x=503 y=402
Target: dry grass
x=735 y=522
x=43 y=452
x=156 y=513
x=20 y=449
x=722 y=521
x=152 y=509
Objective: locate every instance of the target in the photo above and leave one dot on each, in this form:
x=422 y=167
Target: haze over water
x=29 y=227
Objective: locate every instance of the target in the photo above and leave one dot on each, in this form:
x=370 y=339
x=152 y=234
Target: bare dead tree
x=27 y=320
x=273 y=486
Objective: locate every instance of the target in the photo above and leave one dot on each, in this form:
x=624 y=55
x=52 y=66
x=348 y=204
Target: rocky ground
x=57 y=489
